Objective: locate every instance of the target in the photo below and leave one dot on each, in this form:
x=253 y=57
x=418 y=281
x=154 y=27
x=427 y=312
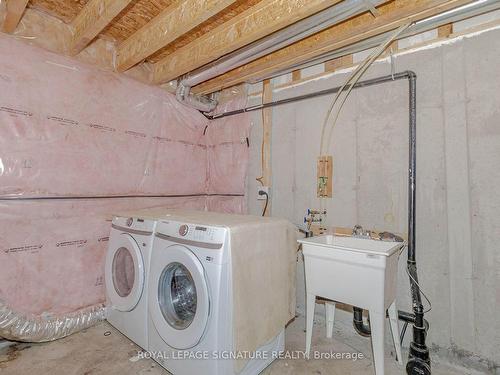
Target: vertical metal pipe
x=412 y=165
x=418 y=356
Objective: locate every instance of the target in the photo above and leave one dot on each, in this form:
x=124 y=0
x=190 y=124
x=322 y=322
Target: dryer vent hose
x=47 y=327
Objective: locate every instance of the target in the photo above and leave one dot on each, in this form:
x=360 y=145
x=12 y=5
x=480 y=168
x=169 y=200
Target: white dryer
x=190 y=302
x=127 y=266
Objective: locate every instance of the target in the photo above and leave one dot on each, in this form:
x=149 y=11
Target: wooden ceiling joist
x=15 y=10
x=170 y=24
x=256 y=22
x=178 y=36
x=391 y=16
x=92 y=19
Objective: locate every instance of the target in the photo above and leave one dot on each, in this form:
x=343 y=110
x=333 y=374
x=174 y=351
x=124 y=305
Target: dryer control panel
x=208 y=243
x=193 y=234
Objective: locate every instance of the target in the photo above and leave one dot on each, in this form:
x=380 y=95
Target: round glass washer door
x=124 y=272
x=178 y=296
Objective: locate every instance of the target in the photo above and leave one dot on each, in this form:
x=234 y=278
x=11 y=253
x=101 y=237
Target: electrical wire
x=262 y=145
x=420 y=291
x=262 y=157
x=267 y=200
x=339 y=93
x=403 y=332
x=415 y=281
x=356 y=75
x=350 y=83
x=330 y=109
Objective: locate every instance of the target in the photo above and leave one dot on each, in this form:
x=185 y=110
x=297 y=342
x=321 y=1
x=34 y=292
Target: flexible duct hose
x=30 y=328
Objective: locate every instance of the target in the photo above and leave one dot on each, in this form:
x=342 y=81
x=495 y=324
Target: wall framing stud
x=324 y=183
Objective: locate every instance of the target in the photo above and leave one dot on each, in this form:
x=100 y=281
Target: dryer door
x=124 y=272
x=178 y=296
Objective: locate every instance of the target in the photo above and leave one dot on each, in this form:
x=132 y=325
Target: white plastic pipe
x=452 y=15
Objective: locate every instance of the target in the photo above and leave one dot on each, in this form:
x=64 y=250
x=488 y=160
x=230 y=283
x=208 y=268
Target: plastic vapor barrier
x=71 y=133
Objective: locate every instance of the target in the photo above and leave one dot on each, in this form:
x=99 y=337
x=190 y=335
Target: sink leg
x=310 y=305
x=330 y=318
x=377 y=325
x=393 y=320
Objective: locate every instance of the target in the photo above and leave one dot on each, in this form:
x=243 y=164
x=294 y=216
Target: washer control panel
x=134 y=223
x=183 y=230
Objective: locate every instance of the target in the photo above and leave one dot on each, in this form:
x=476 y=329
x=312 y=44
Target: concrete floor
x=103 y=350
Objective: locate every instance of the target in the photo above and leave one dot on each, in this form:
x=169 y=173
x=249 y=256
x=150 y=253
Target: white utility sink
x=359 y=272
x=361 y=245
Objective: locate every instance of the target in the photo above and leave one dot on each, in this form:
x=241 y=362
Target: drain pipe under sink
x=357 y=322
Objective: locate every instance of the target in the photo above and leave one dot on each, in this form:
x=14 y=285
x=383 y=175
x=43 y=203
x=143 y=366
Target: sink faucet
x=306 y=232
x=358 y=231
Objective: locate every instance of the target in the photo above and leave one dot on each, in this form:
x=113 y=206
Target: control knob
x=183 y=230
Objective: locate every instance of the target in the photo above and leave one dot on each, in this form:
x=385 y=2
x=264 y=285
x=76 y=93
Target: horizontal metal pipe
x=279 y=39
x=264 y=46
x=405 y=316
x=365 y=83
x=66 y=197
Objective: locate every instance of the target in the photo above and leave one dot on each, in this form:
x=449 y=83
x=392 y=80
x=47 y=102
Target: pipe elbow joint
x=411 y=74
x=357 y=323
x=199 y=102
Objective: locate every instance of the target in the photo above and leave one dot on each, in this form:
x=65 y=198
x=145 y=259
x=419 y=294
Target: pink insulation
x=228 y=205
x=68 y=129
x=227 y=154
x=71 y=130
x=53 y=252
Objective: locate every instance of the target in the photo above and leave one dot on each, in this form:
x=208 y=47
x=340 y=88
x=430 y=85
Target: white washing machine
x=190 y=302
x=127 y=266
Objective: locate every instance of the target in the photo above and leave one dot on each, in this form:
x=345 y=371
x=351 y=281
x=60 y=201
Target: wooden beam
x=392 y=15
x=256 y=22
x=338 y=63
x=15 y=10
x=427 y=42
x=173 y=22
x=445 y=31
x=296 y=75
x=92 y=19
x=267 y=116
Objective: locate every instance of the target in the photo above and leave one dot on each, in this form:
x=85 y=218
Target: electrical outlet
x=264 y=189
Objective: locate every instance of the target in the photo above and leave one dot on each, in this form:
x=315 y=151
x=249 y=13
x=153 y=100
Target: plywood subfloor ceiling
x=174 y=37
x=135 y=15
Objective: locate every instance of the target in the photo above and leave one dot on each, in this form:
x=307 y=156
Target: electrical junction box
x=324 y=183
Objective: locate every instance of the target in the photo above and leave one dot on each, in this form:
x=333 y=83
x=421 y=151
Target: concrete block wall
x=458 y=171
